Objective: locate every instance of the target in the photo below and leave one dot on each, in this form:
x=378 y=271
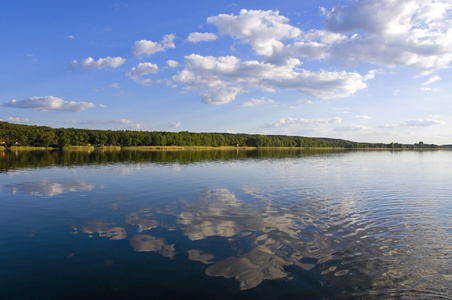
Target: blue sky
x=365 y=70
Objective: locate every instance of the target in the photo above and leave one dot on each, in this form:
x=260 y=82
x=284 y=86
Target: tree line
x=43 y=136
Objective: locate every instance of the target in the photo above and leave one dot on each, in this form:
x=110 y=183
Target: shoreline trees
x=43 y=136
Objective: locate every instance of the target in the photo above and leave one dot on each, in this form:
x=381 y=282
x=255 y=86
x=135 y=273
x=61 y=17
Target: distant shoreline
x=198 y=148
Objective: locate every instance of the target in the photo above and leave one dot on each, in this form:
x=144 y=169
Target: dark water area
x=279 y=224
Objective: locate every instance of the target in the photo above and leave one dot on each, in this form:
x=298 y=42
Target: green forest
x=43 y=136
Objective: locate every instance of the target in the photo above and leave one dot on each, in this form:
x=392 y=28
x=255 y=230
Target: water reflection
x=341 y=247
x=266 y=239
x=43 y=158
x=147 y=243
x=49 y=188
x=103 y=229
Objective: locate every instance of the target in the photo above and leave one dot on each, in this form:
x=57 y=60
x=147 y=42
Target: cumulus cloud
x=49 y=103
x=143 y=69
x=150 y=47
x=221 y=79
x=196 y=37
x=172 y=63
x=284 y=122
x=414 y=33
x=264 y=30
x=90 y=63
x=255 y=102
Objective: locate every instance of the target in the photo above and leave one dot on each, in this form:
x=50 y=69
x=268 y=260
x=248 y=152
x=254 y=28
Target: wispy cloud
x=350 y=128
x=284 y=122
x=413 y=123
x=255 y=102
x=364 y=117
x=431 y=80
x=49 y=103
x=196 y=37
x=90 y=63
x=422 y=123
x=174 y=124
x=116 y=123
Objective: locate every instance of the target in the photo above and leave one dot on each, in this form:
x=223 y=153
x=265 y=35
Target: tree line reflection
x=12 y=160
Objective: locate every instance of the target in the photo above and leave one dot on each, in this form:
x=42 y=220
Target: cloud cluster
x=90 y=63
x=49 y=103
x=221 y=79
x=415 y=34
x=149 y=47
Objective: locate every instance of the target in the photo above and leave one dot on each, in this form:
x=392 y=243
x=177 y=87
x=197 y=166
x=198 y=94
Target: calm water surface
x=226 y=225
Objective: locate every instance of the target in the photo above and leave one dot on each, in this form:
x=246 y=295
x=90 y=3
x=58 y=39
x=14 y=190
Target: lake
x=285 y=224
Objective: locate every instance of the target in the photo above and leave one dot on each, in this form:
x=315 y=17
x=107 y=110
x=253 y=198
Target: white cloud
x=143 y=69
x=422 y=123
x=365 y=117
x=415 y=33
x=150 y=47
x=16 y=120
x=172 y=63
x=49 y=103
x=116 y=123
x=70 y=37
x=196 y=37
x=90 y=63
x=304 y=102
x=255 y=102
x=431 y=80
x=221 y=79
x=264 y=30
x=174 y=124
x=413 y=123
x=350 y=128
x=387 y=126
x=284 y=122
x=114 y=85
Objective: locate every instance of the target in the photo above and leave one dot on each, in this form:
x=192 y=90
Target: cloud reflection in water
x=340 y=242
x=49 y=189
